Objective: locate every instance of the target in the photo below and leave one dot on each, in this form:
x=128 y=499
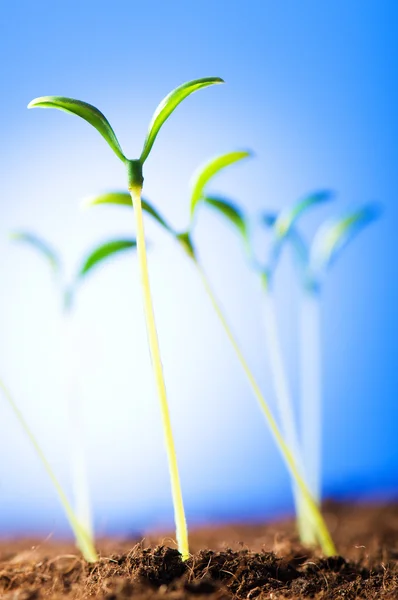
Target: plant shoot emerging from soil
x=283 y=228
x=135 y=182
x=235 y=216
x=312 y=264
x=82 y=512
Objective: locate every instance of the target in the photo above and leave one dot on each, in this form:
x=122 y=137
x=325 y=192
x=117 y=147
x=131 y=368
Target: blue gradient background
x=311 y=88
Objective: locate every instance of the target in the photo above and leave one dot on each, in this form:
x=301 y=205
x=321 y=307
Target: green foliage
x=288 y=217
x=232 y=213
x=43 y=247
x=121 y=198
x=335 y=234
x=103 y=252
x=283 y=227
x=168 y=105
x=87 y=112
x=92 y=115
x=206 y=172
x=124 y=199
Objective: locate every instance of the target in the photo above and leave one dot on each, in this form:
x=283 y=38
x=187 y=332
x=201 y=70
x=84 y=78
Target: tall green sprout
x=135 y=181
x=327 y=245
x=83 y=539
x=283 y=229
x=313 y=263
x=235 y=216
x=80 y=517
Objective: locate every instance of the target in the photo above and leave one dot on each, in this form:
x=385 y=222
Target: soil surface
x=256 y=561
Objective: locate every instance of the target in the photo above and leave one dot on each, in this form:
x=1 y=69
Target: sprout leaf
x=121 y=198
x=208 y=171
x=103 y=252
x=167 y=106
x=284 y=227
x=124 y=199
x=232 y=212
x=335 y=234
x=87 y=112
x=41 y=246
x=288 y=217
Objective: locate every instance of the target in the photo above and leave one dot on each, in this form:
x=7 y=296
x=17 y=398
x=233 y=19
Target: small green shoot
x=333 y=236
x=83 y=539
x=135 y=181
x=327 y=245
x=283 y=229
x=237 y=218
x=80 y=519
x=312 y=264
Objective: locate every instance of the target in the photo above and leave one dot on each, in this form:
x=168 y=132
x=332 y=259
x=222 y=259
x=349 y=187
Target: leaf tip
x=35 y=102
x=87 y=202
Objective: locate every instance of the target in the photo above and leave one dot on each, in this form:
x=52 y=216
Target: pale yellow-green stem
x=179 y=512
x=83 y=539
x=325 y=539
x=305 y=526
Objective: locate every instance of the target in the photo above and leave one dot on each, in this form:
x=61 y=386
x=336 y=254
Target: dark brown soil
x=260 y=561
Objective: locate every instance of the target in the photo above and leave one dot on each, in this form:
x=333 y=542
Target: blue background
x=311 y=88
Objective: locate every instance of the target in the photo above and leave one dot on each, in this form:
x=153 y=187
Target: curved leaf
x=335 y=234
x=48 y=253
x=208 y=171
x=300 y=247
x=124 y=199
x=233 y=213
x=167 y=106
x=120 y=198
x=103 y=252
x=87 y=112
x=283 y=228
x=287 y=217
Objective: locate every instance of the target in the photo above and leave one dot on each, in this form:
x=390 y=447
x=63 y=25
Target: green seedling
x=283 y=227
x=82 y=505
x=83 y=539
x=327 y=245
x=312 y=264
x=135 y=182
x=237 y=218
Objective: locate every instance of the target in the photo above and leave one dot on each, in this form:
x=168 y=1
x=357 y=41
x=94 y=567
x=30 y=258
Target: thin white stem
x=77 y=450
x=311 y=390
x=286 y=412
x=179 y=512
x=279 y=377
x=83 y=541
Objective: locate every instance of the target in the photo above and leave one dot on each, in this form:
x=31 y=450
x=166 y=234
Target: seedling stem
x=135 y=188
x=84 y=541
x=325 y=539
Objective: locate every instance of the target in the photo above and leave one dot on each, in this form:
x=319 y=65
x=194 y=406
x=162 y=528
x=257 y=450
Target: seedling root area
x=245 y=561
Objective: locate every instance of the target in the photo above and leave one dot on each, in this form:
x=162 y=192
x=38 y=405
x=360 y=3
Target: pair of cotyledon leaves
x=331 y=237
x=95 y=117
x=96 y=256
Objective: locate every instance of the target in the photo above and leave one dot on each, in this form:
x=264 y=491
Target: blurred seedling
x=283 y=226
x=236 y=217
x=80 y=517
x=313 y=263
x=135 y=182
